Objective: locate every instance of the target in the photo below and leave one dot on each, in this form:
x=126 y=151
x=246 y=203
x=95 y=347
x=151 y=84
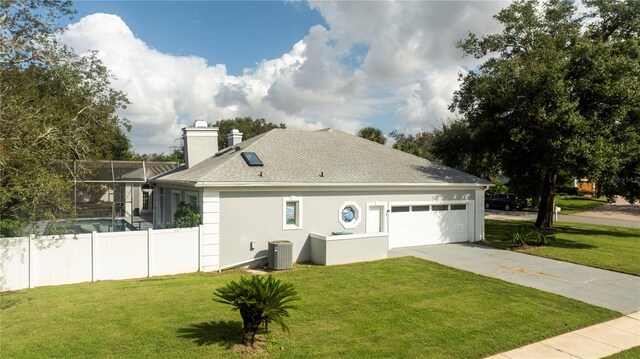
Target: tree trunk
x=546 y=207
x=251 y=320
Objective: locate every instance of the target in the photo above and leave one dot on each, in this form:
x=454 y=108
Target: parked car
x=506 y=201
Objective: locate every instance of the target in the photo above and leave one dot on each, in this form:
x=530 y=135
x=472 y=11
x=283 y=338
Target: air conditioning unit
x=280 y=255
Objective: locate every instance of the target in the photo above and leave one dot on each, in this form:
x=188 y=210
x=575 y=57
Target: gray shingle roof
x=300 y=157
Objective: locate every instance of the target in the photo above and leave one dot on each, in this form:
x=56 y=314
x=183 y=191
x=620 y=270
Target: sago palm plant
x=259 y=299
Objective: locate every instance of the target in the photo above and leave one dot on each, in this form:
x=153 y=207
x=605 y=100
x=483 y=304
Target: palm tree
x=260 y=300
x=372 y=134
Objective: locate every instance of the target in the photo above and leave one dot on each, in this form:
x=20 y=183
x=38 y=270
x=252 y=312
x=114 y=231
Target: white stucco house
x=303 y=186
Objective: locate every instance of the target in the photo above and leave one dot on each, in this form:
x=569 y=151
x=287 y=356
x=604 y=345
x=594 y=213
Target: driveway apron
x=612 y=290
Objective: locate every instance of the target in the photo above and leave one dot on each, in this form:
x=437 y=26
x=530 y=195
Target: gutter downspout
x=242 y=263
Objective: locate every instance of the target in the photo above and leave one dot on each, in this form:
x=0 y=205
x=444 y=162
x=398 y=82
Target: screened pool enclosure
x=111 y=196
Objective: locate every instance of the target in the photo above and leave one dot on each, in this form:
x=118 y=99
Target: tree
x=56 y=106
x=553 y=98
x=372 y=134
x=176 y=155
x=470 y=150
x=406 y=143
x=248 y=126
x=259 y=300
x=27 y=26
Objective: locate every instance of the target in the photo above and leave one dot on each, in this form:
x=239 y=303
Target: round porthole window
x=349 y=215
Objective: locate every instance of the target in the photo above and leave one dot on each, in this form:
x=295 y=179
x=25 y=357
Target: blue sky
x=309 y=64
x=238 y=34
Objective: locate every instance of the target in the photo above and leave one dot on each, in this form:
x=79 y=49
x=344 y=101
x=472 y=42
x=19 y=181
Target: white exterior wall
x=343 y=249
x=210 y=247
x=247 y=216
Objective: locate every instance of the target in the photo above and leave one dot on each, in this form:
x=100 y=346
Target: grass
x=576 y=204
x=605 y=247
x=400 y=307
x=633 y=353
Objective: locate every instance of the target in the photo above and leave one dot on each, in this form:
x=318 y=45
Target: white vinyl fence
x=28 y=262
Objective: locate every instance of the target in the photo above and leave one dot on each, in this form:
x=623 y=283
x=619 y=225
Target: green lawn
x=400 y=307
x=612 y=248
x=633 y=353
x=575 y=204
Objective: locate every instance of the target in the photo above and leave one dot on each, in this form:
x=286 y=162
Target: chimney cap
x=200 y=123
x=235 y=131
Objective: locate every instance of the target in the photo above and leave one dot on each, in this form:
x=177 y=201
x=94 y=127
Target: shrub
x=521 y=236
x=530 y=236
x=259 y=300
x=186 y=216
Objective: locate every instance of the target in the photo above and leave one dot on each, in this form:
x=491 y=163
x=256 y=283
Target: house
x=298 y=185
x=585 y=186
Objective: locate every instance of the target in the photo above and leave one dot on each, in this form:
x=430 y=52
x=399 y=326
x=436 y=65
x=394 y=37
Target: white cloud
x=372 y=58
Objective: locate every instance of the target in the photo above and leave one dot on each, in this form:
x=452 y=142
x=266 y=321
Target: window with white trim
x=349 y=215
x=191 y=198
x=291 y=213
x=176 y=198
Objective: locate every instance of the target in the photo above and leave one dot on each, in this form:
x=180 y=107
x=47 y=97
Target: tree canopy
x=372 y=134
x=56 y=106
x=555 y=96
x=247 y=125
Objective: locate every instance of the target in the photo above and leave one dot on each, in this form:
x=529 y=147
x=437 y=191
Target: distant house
x=585 y=186
x=292 y=185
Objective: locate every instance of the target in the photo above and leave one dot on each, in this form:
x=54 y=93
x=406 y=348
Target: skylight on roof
x=251 y=158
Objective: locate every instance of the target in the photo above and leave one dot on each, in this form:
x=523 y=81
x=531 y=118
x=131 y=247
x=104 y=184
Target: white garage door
x=418 y=225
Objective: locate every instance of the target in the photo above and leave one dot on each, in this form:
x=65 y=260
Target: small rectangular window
x=439 y=207
x=251 y=158
x=400 y=209
x=291 y=213
x=419 y=208
x=458 y=207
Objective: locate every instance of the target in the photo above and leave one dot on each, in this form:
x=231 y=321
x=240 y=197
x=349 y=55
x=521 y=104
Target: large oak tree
x=557 y=95
x=55 y=106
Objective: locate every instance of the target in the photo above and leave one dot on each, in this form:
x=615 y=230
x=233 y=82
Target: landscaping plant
x=186 y=216
x=530 y=236
x=259 y=300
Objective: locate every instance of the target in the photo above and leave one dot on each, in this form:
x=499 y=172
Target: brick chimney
x=200 y=142
x=234 y=137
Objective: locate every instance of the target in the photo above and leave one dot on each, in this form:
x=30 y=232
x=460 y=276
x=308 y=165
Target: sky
x=311 y=65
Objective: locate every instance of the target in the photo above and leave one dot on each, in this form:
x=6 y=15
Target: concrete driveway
x=612 y=290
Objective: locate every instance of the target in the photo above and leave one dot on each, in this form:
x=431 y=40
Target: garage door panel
x=427 y=227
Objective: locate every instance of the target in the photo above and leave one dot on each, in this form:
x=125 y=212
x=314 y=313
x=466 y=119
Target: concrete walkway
x=612 y=290
x=575 y=218
x=598 y=341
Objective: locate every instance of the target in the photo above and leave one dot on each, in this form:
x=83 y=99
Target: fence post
x=94 y=257
x=32 y=262
x=149 y=251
